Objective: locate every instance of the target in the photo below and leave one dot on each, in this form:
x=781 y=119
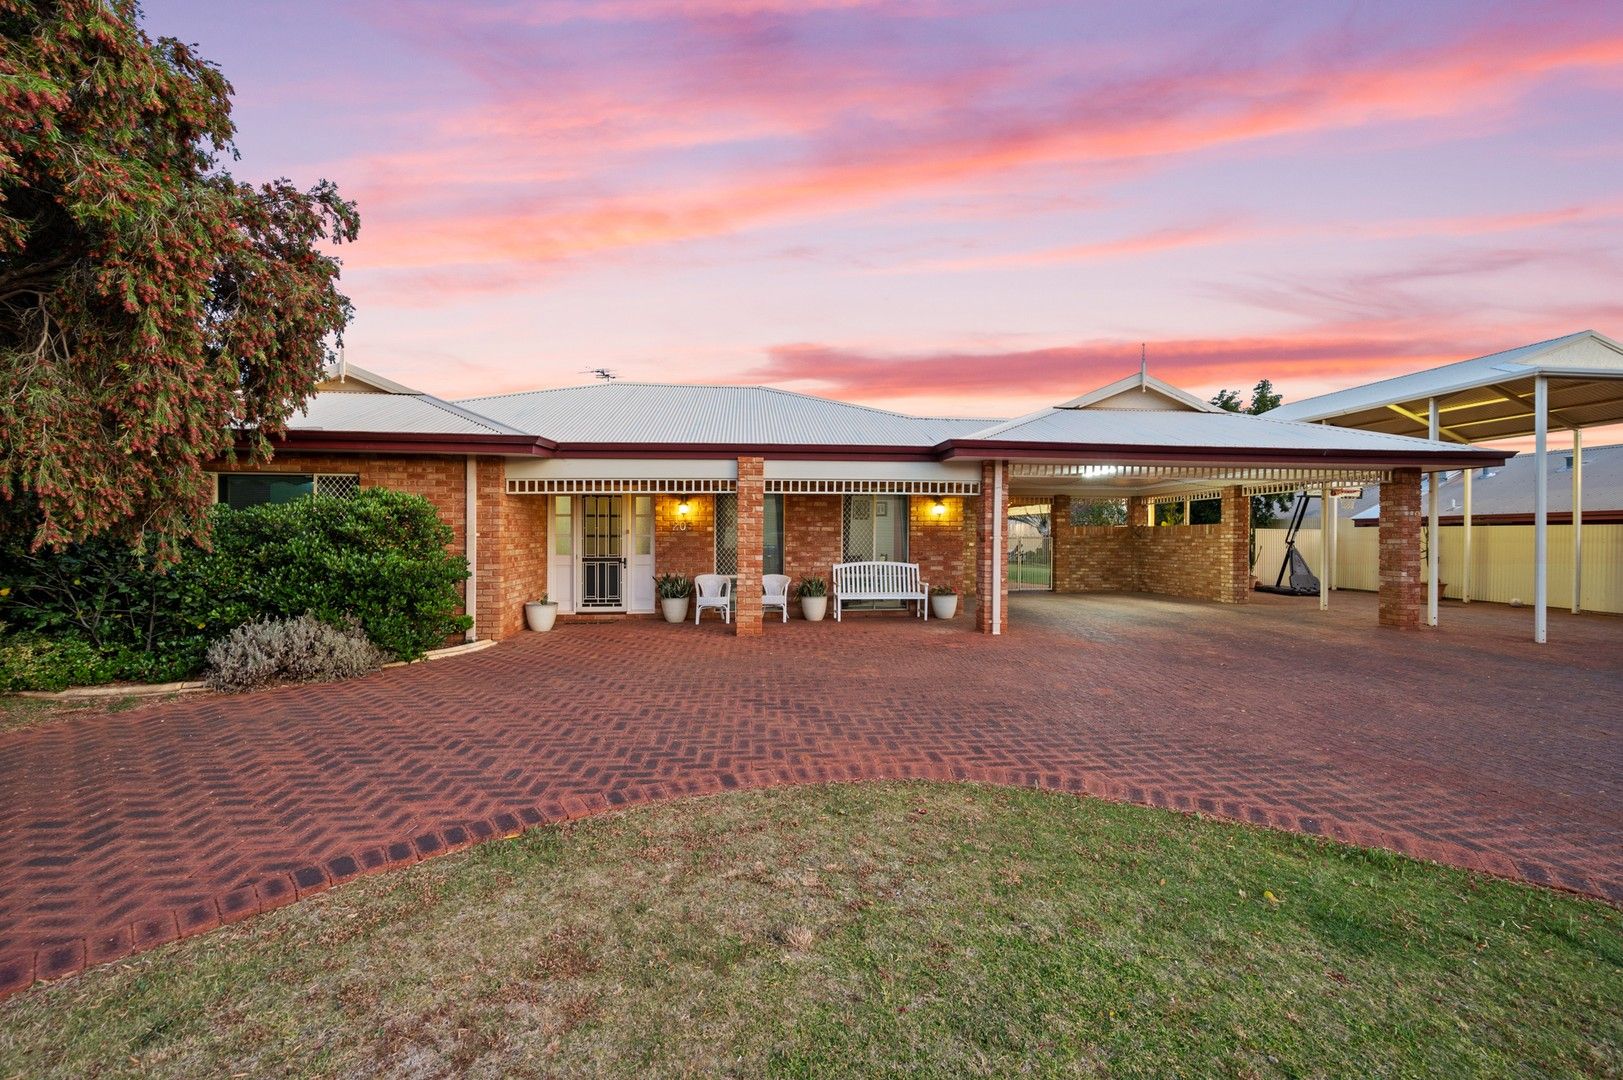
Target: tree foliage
x=152 y=308
x=1264 y=508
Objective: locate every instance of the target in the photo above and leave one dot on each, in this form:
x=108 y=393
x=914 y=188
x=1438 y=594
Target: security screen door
x=602 y=553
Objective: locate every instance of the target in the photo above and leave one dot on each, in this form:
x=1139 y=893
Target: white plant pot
x=675 y=608
x=539 y=616
x=814 y=607
x=943 y=607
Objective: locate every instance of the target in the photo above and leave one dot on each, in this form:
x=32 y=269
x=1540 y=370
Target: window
x=563 y=525
x=241 y=490
x=727 y=535
x=875 y=528
x=642 y=525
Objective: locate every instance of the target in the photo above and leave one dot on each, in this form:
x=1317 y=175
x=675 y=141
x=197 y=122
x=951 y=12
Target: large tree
x=155 y=313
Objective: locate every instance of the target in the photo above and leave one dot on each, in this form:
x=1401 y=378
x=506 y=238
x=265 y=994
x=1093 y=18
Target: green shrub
x=304 y=649
x=813 y=586
x=100 y=611
x=673 y=586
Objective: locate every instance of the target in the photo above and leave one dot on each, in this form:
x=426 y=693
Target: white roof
x=659 y=413
x=1488 y=397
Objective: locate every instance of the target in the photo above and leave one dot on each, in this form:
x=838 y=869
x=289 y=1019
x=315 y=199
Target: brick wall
x=992 y=521
x=936 y=542
x=811 y=535
x=1401 y=595
x=751 y=536
x=1202 y=562
x=685 y=545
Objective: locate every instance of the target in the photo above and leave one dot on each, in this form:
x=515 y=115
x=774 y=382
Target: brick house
x=586 y=493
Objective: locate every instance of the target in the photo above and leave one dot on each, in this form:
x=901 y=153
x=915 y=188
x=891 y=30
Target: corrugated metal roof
x=634 y=413
x=1127 y=427
x=1593 y=354
x=415 y=414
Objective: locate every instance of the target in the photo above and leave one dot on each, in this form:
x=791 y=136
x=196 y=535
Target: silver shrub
x=304 y=649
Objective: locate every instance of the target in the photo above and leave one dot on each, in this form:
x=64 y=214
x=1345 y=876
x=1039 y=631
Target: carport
x=1575 y=381
x=1144 y=442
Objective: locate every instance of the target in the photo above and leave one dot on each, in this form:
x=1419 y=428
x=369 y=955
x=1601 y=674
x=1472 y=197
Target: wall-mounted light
x=938 y=509
x=684 y=511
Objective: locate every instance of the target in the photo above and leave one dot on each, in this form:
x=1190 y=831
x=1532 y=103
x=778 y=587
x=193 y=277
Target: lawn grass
x=881 y=929
x=1030 y=574
x=17 y=713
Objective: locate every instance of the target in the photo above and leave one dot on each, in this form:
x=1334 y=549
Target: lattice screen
x=726 y=534
x=337 y=485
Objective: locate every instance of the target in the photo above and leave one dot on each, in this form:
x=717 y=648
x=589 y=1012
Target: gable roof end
x=1145 y=383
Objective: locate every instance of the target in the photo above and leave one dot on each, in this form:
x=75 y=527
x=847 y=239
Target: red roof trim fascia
x=1112 y=454
x=371 y=442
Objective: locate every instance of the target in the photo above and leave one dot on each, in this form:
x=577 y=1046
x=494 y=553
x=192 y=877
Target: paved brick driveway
x=1469 y=745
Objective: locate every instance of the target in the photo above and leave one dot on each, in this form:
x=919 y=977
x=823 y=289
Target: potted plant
x=540 y=614
x=813 y=598
x=943 y=601
x=673 y=590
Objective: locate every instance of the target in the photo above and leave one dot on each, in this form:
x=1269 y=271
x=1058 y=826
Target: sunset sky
x=969 y=208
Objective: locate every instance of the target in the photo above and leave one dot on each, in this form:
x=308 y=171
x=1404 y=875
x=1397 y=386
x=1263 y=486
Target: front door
x=602 y=553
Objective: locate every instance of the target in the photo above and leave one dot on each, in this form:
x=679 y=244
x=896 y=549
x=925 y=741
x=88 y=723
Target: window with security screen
x=727 y=534
x=241 y=490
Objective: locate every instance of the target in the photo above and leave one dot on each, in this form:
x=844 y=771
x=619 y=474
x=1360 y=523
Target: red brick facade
x=751 y=534
x=1402 y=596
x=992 y=566
x=685 y=543
x=936 y=541
x=812 y=536
x=1202 y=562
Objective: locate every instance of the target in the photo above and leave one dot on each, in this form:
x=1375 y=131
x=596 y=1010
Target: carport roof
x=1486 y=398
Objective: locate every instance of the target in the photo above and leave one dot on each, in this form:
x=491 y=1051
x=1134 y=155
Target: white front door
x=640 y=557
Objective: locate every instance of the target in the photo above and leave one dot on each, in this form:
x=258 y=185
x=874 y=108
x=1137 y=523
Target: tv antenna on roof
x=602 y=373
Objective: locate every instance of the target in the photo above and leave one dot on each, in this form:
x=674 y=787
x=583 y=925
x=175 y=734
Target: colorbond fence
x=1501 y=562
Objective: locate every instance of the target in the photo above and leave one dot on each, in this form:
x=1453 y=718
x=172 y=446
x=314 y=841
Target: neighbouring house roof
x=629 y=413
x=1504 y=494
x=1486 y=398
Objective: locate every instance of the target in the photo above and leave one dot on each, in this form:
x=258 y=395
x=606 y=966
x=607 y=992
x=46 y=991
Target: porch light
x=683 y=509
x=938 y=508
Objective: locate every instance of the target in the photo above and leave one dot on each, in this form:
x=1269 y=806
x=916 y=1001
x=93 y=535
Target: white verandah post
x=1541 y=505
x=1465 y=537
x=1326 y=512
x=1577 y=519
x=1432 y=545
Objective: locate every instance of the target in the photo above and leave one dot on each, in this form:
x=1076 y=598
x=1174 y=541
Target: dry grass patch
x=888 y=929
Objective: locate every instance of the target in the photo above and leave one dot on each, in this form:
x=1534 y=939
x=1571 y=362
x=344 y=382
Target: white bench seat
x=880 y=581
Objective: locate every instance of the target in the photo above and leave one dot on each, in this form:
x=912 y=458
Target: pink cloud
x=1177 y=113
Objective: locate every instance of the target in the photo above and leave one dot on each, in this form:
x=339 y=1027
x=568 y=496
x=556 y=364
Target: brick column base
x=1402 y=602
x=751 y=534
x=1234 y=582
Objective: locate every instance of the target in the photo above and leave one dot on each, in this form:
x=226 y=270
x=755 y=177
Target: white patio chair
x=775 y=593
x=713 y=591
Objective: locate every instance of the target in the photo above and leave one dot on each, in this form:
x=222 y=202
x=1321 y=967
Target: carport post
x=1577 y=519
x=1325 y=526
x=1432 y=552
x=1465 y=537
x=1332 y=564
x=1541 y=504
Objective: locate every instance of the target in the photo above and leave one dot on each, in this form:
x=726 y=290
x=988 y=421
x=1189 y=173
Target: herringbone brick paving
x=1469 y=745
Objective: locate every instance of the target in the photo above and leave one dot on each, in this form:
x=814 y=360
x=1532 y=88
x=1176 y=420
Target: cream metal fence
x=1501 y=562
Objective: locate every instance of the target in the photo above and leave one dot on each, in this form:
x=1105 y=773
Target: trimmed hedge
x=99 y=612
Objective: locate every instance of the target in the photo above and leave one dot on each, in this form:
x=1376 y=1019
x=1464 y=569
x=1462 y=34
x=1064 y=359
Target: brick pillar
x=992 y=567
x=1234 y=580
x=1062 y=537
x=1402 y=603
x=751 y=535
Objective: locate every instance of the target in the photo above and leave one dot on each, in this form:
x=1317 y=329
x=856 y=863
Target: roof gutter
x=399 y=442
x=1115 y=454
